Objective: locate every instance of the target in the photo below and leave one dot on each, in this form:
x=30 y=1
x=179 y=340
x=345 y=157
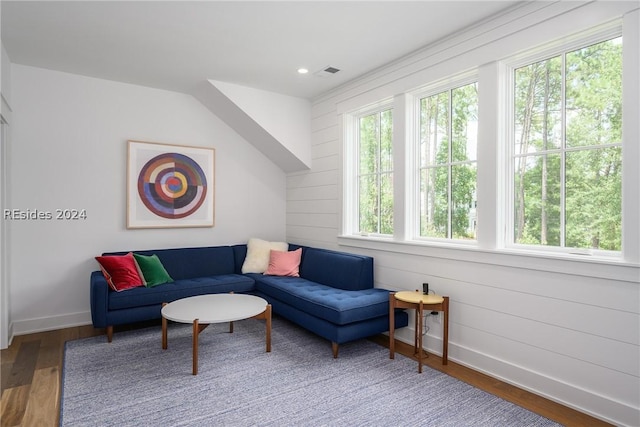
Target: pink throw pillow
x=284 y=263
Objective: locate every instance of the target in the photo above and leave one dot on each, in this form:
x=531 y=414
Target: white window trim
x=350 y=120
x=490 y=247
x=631 y=138
x=413 y=182
x=573 y=42
x=586 y=266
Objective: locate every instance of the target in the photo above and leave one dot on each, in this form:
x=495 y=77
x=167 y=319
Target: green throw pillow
x=152 y=270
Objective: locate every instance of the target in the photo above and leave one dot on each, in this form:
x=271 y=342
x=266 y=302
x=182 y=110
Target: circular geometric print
x=172 y=185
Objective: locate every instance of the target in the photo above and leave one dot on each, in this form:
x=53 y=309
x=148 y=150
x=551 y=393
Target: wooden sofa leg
x=334 y=348
x=109 y=333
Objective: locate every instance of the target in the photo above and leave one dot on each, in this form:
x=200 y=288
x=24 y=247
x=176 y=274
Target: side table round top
x=416 y=296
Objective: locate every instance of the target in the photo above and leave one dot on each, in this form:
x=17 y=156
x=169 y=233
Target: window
x=375 y=173
x=543 y=174
x=567 y=149
x=447 y=149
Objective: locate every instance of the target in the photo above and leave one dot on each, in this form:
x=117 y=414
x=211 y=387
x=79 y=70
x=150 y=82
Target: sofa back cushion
x=189 y=263
x=337 y=269
x=240 y=253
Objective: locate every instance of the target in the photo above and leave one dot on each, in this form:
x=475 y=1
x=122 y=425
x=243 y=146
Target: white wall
x=69 y=151
x=567 y=330
x=5 y=76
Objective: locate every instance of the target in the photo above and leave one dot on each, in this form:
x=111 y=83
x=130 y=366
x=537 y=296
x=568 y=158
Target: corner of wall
x=279 y=126
x=6 y=326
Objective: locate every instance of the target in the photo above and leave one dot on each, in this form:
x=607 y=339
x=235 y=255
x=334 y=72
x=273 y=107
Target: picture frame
x=170 y=186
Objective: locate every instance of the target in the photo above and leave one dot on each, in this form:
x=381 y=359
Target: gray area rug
x=133 y=382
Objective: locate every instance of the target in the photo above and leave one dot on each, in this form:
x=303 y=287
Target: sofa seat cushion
x=183 y=288
x=338 y=306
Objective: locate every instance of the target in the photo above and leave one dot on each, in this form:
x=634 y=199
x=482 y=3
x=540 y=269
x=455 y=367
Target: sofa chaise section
x=334 y=296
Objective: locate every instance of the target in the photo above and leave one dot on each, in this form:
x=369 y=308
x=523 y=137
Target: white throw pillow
x=258 y=252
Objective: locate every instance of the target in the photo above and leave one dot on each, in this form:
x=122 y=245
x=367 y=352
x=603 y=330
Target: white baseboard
x=569 y=395
x=6 y=340
x=43 y=324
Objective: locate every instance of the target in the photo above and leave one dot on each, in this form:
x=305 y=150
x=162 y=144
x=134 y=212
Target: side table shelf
x=421 y=303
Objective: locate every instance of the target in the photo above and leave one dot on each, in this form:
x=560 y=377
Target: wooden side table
x=421 y=303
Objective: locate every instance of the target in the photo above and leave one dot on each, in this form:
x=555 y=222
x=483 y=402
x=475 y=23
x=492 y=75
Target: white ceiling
x=175 y=45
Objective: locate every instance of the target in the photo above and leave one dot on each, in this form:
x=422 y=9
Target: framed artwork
x=169 y=185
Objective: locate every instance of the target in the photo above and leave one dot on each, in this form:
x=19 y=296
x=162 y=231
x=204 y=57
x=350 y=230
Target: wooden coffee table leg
x=164 y=331
x=267 y=313
x=196 y=332
x=231 y=323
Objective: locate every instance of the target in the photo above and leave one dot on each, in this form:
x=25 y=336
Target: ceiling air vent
x=327 y=71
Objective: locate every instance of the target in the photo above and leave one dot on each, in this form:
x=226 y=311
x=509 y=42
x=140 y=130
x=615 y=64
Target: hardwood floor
x=30 y=377
x=32 y=366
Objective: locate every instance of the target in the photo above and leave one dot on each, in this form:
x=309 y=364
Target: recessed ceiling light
x=303 y=70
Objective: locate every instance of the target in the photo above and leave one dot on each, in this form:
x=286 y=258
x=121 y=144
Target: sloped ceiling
x=277 y=125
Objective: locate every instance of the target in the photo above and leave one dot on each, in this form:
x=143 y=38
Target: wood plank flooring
x=32 y=366
x=30 y=377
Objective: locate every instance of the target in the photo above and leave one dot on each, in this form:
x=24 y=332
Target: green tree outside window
x=447 y=163
x=568 y=149
x=375 y=173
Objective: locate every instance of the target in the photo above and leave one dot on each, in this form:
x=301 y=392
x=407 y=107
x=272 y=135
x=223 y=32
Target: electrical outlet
x=435 y=316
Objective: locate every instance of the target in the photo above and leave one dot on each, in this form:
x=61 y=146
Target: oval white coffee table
x=215 y=308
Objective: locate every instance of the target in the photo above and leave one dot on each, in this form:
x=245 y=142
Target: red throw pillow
x=284 y=263
x=120 y=271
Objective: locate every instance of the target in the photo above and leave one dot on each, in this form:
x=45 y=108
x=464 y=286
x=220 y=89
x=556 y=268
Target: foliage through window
x=567 y=154
x=375 y=173
x=447 y=163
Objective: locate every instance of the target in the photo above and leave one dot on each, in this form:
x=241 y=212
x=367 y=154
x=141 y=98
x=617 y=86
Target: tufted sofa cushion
x=182 y=288
x=338 y=306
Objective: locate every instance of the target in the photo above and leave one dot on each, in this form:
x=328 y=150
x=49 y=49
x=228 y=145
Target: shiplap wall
x=567 y=330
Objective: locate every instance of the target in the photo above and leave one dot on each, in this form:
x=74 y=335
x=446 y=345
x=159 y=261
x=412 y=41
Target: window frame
x=457 y=81
x=509 y=66
x=490 y=247
x=351 y=190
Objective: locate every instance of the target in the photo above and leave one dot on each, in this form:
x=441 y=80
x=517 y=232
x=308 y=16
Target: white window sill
x=581 y=265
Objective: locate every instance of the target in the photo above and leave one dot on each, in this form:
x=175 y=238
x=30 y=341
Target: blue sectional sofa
x=334 y=296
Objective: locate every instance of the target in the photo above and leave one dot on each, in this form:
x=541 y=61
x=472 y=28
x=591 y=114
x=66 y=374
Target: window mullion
x=563 y=147
x=449 y=167
x=379 y=170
